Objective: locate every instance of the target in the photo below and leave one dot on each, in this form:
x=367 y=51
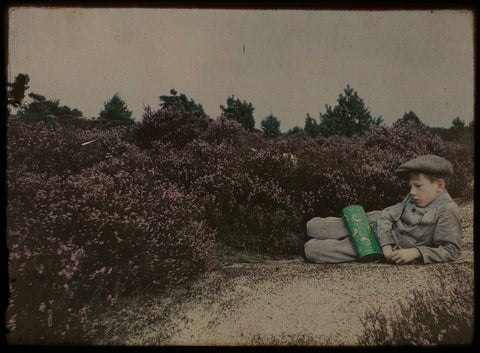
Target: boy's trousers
x=331 y=242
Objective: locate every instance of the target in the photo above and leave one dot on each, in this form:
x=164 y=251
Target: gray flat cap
x=429 y=164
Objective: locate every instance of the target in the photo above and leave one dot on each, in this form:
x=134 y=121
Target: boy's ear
x=441 y=183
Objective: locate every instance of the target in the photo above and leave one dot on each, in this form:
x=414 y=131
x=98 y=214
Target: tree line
x=350 y=117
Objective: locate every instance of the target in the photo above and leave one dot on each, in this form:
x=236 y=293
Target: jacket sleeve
x=385 y=222
x=447 y=237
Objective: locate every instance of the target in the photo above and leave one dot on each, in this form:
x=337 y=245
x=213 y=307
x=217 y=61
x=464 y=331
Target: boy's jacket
x=435 y=230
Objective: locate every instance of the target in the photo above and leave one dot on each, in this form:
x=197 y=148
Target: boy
x=424 y=228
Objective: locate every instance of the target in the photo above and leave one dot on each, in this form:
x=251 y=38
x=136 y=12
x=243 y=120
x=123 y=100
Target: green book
x=362 y=235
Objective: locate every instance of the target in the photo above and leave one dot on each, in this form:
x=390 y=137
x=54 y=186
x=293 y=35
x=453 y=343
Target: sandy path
x=291 y=302
x=288 y=302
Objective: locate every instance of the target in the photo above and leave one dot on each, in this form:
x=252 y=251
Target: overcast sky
x=295 y=61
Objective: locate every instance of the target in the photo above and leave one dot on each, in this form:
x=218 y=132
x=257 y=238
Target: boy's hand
x=404 y=256
x=387 y=252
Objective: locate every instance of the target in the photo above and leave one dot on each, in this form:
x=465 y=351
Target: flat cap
x=429 y=164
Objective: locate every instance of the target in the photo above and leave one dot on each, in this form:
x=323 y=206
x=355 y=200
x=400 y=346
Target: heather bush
x=230 y=132
x=184 y=166
x=247 y=211
x=101 y=234
x=439 y=316
x=250 y=213
x=92 y=216
x=404 y=142
x=273 y=162
x=318 y=177
x=325 y=177
x=223 y=130
x=335 y=172
x=172 y=125
x=38 y=148
x=295 y=142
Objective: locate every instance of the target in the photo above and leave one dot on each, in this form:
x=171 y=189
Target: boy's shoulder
x=445 y=203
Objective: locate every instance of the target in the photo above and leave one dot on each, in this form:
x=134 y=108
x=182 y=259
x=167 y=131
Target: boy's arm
x=385 y=222
x=447 y=237
x=387 y=252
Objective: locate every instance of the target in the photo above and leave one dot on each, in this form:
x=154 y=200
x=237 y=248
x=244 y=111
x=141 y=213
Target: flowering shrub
x=246 y=211
x=335 y=172
x=223 y=130
x=194 y=161
x=435 y=317
x=318 y=176
x=324 y=177
x=251 y=213
x=37 y=148
x=107 y=231
x=101 y=234
x=91 y=215
x=395 y=145
x=169 y=125
x=272 y=162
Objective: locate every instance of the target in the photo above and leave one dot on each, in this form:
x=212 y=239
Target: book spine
x=363 y=237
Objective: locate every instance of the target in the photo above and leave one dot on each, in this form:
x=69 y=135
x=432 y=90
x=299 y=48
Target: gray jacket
x=435 y=230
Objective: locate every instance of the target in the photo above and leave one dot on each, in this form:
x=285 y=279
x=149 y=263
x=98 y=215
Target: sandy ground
x=287 y=302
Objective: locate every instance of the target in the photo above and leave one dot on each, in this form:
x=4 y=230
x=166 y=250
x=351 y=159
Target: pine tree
x=349 y=117
x=115 y=113
x=271 y=126
x=294 y=130
x=43 y=109
x=312 y=128
x=183 y=103
x=16 y=90
x=239 y=111
x=458 y=129
x=411 y=119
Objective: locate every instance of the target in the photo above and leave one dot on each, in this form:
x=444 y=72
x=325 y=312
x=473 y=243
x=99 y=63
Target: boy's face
x=423 y=190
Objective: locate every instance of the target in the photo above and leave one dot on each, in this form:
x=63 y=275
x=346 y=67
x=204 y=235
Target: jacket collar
x=444 y=197
x=441 y=198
